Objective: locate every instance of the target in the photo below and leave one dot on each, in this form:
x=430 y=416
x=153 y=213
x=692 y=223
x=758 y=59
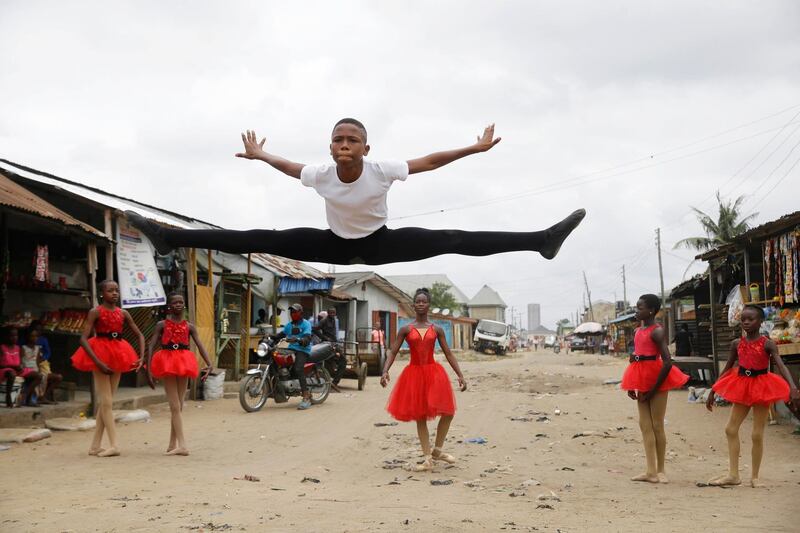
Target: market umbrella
x=589 y=327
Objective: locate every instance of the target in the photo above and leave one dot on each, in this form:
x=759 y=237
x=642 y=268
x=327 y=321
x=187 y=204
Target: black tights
x=384 y=246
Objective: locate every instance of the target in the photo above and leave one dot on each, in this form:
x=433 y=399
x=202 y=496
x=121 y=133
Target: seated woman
x=33 y=357
x=11 y=367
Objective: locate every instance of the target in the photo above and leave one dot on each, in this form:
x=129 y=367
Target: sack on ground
x=214 y=385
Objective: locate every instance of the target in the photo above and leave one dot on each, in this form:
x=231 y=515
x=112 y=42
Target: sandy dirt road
x=495 y=486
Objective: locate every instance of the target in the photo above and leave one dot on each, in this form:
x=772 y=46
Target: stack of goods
x=71 y=320
x=786 y=328
x=66 y=320
x=20 y=320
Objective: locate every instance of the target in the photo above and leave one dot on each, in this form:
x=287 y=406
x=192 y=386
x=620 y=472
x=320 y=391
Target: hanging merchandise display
x=782 y=266
x=41 y=265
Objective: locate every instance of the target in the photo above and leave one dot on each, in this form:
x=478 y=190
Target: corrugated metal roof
x=104 y=198
x=280 y=266
x=293 y=285
x=347 y=279
x=768 y=229
x=18 y=197
x=622 y=318
x=289 y=267
x=410 y=283
x=487 y=297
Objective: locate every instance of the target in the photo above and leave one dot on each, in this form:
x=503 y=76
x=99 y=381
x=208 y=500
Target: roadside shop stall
x=762 y=267
x=689 y=305
x=621 y=330
x=49 y=261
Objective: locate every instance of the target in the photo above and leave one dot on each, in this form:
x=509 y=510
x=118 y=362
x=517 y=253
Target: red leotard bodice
x=175 y=332
x=109 y=321
x=752 y=354
x=643 y=343
x=421 y=345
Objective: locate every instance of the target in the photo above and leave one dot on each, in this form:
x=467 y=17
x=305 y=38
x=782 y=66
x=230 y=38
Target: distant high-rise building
x=534 y=316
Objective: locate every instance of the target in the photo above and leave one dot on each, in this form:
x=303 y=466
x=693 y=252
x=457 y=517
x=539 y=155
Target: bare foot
x=756 y=483
x=425 y=466
x=438 y=455
x=662 y=477
x=95 y=451
x=178 y=451
x=111 y=452
x=649 y=478
x=725 y=481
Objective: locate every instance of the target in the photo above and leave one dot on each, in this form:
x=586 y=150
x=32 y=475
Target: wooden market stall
x=763 y=263
x=49 y=261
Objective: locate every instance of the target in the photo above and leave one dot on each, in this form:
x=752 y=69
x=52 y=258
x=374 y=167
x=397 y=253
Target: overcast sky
x=680 y=99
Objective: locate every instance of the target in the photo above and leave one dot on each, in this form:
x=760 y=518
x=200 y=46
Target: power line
x=779 y=165
x=777 y=183
x=579 y=180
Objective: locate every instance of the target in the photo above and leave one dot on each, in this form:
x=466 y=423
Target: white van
x=491 y=335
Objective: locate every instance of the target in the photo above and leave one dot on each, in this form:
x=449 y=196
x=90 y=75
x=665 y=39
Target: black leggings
x=384 y=246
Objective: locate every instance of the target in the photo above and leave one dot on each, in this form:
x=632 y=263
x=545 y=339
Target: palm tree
x=728 y=226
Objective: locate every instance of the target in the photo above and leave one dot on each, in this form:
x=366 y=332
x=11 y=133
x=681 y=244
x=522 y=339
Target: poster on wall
x=139 y=282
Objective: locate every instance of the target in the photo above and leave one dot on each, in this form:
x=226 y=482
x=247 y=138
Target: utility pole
x=660 y=270
x=624 y=291
x=589 y=295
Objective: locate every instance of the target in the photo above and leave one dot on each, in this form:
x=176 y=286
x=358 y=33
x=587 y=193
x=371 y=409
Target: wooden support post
x=191 y=273
x=747 y=273
x=109 y=231
x=245 y=349
x=711 y=310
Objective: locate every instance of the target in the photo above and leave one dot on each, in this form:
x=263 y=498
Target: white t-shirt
x=355 y=210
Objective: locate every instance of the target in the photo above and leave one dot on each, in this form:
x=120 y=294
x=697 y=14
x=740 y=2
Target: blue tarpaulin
x=293 y=285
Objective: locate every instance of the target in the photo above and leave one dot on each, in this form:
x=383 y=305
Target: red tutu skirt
x=764 y=389
x=117 y=355
x=179 y=363
x=642 y=375
x=422 y=391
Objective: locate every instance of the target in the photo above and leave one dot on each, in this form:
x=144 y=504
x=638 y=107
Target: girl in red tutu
x=106 y=355
x=423 y=390
x=648 y=378
x=751 y=384
x=174 y=364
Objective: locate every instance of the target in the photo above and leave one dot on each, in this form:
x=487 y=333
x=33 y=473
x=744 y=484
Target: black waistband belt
x=637 y=358
x=751 y=373
x=175 y=346
x=113 y=335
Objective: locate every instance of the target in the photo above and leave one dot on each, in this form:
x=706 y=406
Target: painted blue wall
x=446 y=325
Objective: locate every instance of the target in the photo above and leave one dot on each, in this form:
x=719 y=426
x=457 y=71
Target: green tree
x=729 y=224
x=442 y=298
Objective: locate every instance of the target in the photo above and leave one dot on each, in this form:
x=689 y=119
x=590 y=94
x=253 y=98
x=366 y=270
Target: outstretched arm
x=253 y=149
x=439 y=159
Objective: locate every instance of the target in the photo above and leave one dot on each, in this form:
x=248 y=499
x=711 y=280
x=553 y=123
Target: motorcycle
x=275 y=376
x=556 y=347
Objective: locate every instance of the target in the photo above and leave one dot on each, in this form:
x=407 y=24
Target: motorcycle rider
x=328 y=331
x=300 y=329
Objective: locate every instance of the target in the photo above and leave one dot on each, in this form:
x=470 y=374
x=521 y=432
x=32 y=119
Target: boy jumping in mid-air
x=355 y=203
